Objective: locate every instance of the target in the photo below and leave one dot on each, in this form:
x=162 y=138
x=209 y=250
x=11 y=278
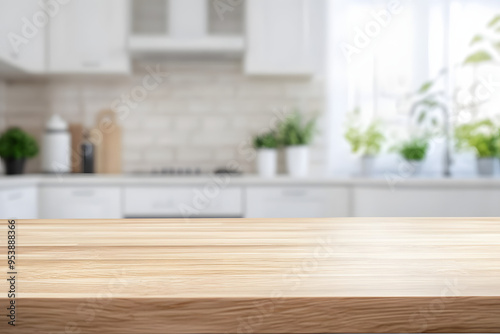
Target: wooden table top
x=357 y=275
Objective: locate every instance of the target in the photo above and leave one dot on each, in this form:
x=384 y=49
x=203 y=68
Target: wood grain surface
x=76 y=132
x=107 y=137
x=339 y=275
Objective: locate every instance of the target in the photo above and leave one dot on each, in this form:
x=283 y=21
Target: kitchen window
x=380 y=52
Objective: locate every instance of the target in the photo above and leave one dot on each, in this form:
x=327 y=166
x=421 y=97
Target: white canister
x=56 y=146
x=367 y=163
x=266 y=162
x=297 y=160
x=486 y=166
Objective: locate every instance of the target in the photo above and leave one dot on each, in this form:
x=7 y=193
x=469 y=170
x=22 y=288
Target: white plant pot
x=297 y=160
x=486 y=166
x=266 y=162
x=415 y=167
x=367 y=163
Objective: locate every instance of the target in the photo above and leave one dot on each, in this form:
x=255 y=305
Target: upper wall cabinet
x=90 y=36
x=187 y=26
x=22 y=36
x=282 y=37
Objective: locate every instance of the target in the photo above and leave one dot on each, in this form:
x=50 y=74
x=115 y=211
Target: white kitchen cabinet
x=279 y=40
x=188 y=19
x=90 y=36
x=296 y=202
x=425 y=202
x=19 y=203
x=182 y=202
x=186 y=26
x=89 y=202
x=22 y=43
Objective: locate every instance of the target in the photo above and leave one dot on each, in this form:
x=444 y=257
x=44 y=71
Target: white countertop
x=238 y=180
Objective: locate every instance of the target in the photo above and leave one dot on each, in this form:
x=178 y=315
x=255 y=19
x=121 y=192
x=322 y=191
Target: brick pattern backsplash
x=203 y=114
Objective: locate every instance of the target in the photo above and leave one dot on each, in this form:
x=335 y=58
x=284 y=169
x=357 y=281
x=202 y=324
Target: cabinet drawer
x=18 y=203
x=297 y=202
x=182 y=202
x=425 y=202
x=80 y=202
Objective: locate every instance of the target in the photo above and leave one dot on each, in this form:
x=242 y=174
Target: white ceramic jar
x=56 y=146
x=297 y=160
x=267 y=162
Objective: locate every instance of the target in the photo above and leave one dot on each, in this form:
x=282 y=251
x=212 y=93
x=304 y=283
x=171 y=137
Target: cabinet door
x=278 y=37
x=90 y=36
x=22 y=29
x=188 y=19
x=20 y=203
x=415 y=202
x=80 y=202
x=297 y=202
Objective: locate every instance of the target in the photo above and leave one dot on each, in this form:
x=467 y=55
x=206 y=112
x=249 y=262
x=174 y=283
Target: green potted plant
x=367 y=142
x=481 y=136
x=296 y=135
x=15 y=147
x=266 y=145
x=484 y=43
x=414 y=151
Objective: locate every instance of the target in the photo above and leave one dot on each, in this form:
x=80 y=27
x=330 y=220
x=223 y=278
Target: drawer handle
x=166 y=204
x=91 y=64
x=294 y=193
x=83 y=193
x=15 y=196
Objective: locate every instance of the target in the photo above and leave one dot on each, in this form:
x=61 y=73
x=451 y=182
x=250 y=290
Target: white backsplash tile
x=203 y=114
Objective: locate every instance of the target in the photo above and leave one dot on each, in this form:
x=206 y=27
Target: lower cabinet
x=297 y=202
x=68 y=201
x=87 y=202
x=182 y=202
x=415 y=202
x=19 y=202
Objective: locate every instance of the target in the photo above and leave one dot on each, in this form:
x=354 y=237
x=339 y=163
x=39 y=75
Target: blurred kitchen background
x=249 y=108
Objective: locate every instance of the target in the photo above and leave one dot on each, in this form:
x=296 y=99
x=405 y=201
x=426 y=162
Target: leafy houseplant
x=432 y=98
x=487 y=41
x=266 y=145
x=481 y=136
x=268 y=140
x=296 y=134
x=293 y=131
x=414 y=151
x=367 y=142
x=15 y=147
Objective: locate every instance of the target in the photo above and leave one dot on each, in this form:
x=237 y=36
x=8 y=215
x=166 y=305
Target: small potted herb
x=414 y=151
x=266 y=145
x=481 y=136
x=367 y=142
x=15 y=147
x=296 y=135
